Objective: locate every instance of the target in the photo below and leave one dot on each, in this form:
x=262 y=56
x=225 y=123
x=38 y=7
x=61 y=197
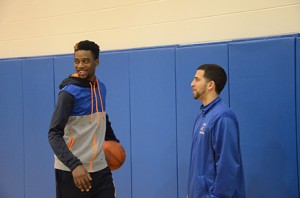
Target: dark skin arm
x=82 y=178
x=63 y=110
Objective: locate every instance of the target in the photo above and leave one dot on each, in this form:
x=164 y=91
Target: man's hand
x=82 y=178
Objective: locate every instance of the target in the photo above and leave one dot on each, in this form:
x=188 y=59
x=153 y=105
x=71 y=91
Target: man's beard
x=196 y=96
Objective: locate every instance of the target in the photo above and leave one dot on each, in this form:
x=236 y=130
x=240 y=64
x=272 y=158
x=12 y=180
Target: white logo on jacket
x=202 y=128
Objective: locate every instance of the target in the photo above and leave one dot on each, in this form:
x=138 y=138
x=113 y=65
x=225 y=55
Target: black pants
x=102 y=185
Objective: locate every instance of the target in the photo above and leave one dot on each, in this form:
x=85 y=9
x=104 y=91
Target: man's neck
x=92 y=79
x=208 y=99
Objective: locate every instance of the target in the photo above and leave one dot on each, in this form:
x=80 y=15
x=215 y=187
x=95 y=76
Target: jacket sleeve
x=62 y=111
x=109 y=135
x=227 y=157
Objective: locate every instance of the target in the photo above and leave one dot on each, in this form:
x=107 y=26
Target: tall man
x=78 y=128
x=216 y=169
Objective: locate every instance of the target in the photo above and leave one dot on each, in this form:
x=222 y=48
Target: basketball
x=115 y=154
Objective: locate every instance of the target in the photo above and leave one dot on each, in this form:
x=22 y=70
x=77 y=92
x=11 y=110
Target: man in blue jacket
x=216 y=169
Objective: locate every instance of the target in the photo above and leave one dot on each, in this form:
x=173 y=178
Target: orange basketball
x=115 y=154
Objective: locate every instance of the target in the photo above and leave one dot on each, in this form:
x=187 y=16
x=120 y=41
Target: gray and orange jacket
x=79 y=125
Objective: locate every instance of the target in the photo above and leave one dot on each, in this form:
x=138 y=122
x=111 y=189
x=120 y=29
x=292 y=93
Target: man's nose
x=80 y=65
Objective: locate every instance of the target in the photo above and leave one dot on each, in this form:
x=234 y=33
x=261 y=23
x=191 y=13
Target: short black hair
x=216 y=73
x=88 y=45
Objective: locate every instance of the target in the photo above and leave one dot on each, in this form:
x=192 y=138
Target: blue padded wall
x=298 y=102
x=152 y=110
x=188 y=59
x=38 y=107
x=11 y=129
x=153 y=123
x=262 y=93
x=63 y=67
x=113 y=71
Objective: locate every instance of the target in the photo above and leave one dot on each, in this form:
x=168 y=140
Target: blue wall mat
x=11 y=127
x=63 y=67
x=298 y=100
x=38 y=106
x=187 y=61
x=114 y=73
x=153 y=123
x=152 y=110
x=262 y=93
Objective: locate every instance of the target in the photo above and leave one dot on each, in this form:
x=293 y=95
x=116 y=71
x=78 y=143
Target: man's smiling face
x=85 y=64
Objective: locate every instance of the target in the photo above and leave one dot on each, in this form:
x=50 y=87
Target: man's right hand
x=82 y=178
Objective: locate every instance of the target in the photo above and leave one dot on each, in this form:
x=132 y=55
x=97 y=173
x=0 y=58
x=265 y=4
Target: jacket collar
x=205 y=109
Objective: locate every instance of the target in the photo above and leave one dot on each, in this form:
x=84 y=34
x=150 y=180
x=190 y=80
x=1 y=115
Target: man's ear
x=211 y=85
x=97 y=62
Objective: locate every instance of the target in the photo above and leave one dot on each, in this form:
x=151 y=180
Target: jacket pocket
x=202 y=189
x=71 y=142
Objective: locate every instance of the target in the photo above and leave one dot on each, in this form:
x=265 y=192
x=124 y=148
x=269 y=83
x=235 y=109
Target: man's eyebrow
x=82 y=58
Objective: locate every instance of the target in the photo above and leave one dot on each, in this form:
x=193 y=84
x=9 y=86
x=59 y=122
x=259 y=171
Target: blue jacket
x=216 y=166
